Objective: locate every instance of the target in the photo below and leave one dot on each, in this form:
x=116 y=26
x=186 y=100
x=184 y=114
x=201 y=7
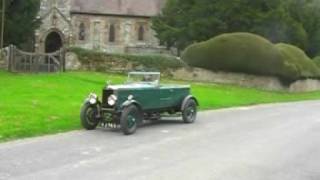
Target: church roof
x=145 y=8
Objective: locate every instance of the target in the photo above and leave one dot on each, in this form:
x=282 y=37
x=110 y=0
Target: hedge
x=297 y=61
x=251 y=54
x=148 y=61
x=316 y=60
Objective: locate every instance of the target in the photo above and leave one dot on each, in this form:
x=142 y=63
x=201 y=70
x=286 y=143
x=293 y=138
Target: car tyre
x=189 y=112
x=88 y=116
x=129 y=119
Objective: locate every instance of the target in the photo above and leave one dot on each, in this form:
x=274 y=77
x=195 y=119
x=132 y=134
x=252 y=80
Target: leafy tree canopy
x=20 y=21
x=183 y=22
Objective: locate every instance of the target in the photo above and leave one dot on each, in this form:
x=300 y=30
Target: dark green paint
x=157 y=97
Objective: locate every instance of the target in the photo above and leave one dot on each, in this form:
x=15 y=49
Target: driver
x=147 y=78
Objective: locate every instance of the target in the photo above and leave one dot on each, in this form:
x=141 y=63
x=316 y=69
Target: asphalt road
x=272 y=142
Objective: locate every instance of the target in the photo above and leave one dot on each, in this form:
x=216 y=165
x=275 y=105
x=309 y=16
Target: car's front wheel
x=129 y=119
x=88 y=116
x=189 y=112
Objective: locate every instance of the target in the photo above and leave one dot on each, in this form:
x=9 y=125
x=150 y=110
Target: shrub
x=160 y=62
x=148 y=61
x=316 y=60
x=296 y=60
x=248 y=53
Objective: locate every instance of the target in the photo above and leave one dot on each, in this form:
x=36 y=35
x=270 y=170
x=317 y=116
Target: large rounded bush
x=245 y=53
x=316 y=60
x=296 y=60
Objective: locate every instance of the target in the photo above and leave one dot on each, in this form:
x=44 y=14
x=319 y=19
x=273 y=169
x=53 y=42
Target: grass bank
x=38 y=104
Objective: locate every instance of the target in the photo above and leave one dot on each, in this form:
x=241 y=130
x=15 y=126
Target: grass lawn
x=32 y=105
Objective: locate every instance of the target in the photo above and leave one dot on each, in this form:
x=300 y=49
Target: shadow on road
x=168 y=122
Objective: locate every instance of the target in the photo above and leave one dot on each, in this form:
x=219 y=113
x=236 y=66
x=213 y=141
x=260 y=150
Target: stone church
x=114 y=26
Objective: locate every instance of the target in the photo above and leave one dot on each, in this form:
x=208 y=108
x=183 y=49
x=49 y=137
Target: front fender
x=184 y=102
x=95 y=105
x=131 y=102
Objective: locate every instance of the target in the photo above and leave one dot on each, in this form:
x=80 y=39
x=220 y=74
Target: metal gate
x=21 y=61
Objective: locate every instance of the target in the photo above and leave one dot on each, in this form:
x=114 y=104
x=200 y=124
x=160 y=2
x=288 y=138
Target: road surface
x=269 y=142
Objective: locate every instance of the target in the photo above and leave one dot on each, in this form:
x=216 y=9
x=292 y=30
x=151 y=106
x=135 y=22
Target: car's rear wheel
x=129 y=119
x=189 y=112
x=88 y=116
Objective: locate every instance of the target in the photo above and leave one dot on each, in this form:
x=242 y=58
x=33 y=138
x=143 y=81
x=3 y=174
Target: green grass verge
x=32 y=105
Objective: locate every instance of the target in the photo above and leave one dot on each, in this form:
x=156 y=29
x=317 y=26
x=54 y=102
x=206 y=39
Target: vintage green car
x=141 y=98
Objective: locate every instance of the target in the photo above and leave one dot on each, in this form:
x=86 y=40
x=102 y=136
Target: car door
x=166 y=96
x=151 y=98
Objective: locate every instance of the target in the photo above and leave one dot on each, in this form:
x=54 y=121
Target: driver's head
x=147 y=78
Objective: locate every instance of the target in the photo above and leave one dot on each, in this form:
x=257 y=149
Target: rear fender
x=186 y=99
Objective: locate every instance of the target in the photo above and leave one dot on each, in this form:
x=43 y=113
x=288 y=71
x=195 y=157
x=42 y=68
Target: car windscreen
x=144 y=78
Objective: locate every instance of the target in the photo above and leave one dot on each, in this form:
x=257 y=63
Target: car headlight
x=112 y=100
x=93 y=101
x=93 y=98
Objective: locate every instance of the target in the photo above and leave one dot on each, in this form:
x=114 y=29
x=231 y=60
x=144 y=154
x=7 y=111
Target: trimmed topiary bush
x=297 y=62
x=316 y=60
x=251 y=54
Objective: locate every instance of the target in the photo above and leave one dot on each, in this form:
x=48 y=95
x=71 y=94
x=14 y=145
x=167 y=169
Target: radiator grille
x=105 y=96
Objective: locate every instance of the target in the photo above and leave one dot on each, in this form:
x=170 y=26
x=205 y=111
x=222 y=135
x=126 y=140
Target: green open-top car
x=141 y=98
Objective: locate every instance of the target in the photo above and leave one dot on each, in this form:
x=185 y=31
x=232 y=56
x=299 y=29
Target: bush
x=159 y=62
x=296 y=61
x=148 y=62
x=251 y=54
x=316 y=60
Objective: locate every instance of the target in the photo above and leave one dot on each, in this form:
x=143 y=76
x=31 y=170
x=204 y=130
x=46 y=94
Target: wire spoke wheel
x=91 y=114
x=88 y=116
x=189 y=113
x=130 y=118
x=131 y=121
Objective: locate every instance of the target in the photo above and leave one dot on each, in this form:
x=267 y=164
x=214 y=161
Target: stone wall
x=260 y=82
x=202 y=75
x=148 y=50
x=305 y=86
x=113 y=66
x=72 y=62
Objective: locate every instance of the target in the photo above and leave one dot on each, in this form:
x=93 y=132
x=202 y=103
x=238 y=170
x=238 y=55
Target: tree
x=20 y=22
x=307 y=13
x=172 y=24
x=183 y=22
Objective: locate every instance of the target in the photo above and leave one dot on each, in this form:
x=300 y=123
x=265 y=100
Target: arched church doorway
x=53 y=42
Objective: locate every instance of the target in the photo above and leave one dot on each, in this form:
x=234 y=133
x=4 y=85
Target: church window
x=112 y=33
x=141 y=33
x=82 y=32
